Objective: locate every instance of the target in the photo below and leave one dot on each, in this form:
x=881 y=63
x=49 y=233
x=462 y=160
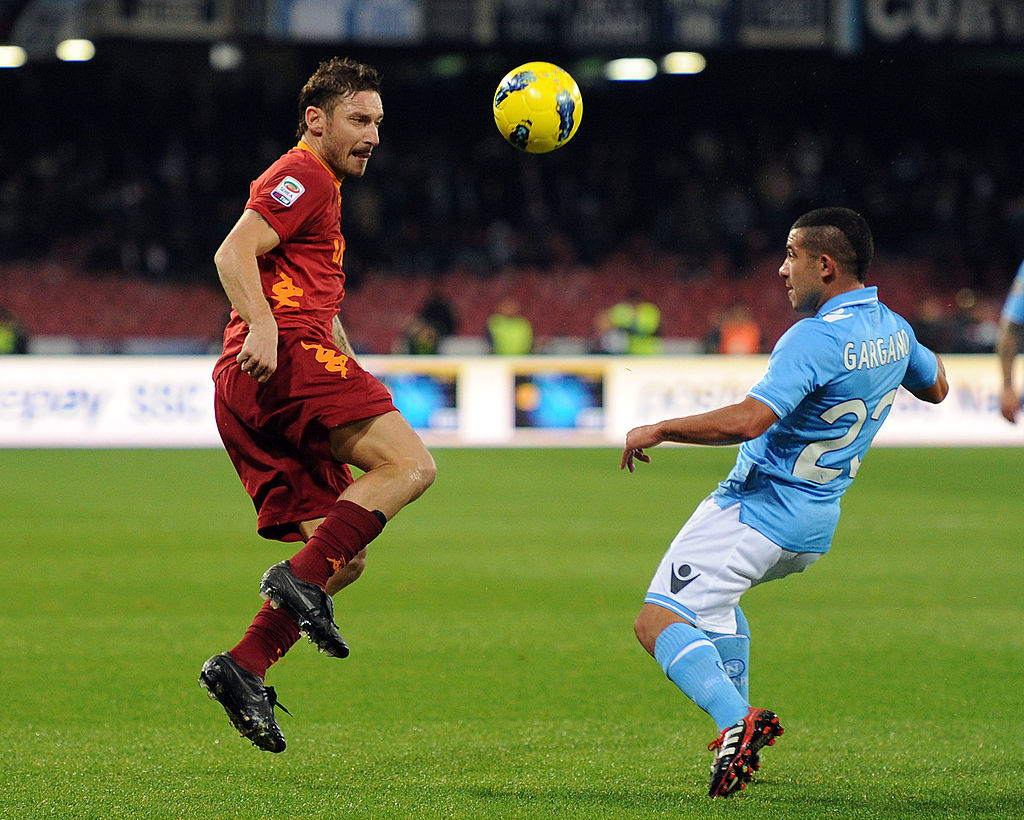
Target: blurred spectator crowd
x=681 y=195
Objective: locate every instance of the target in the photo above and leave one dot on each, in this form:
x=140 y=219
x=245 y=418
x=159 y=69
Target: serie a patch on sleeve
x=287 y=191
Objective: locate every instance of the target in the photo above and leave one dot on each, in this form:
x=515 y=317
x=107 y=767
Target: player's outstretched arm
x=727 y=425
x=937 y=391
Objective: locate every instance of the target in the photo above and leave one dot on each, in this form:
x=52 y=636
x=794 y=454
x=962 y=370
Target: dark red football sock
x=271 y=634
x=346 y=530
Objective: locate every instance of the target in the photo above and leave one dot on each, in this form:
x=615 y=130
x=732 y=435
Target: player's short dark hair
x=333 y=79
x=842 y=234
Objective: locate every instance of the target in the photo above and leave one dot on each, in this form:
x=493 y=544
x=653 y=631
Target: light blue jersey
x=831 y=381
x=1013 y=309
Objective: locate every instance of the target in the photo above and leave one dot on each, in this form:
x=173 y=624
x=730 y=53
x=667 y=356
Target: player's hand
x=258 y=356
x=636 y=440
x=1009 y=404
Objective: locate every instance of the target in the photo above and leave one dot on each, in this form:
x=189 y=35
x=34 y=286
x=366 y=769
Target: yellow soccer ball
x=538 y=107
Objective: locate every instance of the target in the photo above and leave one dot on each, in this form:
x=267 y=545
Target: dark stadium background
x=119 y=176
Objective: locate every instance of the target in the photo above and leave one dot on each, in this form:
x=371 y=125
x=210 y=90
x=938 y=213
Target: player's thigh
x=383 y=440
x=709 y=565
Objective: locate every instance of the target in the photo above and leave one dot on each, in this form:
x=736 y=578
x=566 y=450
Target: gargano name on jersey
x=876 y=352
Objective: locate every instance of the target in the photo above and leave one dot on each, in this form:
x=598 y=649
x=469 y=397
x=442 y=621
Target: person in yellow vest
x=509 y=332
x=13 y=338
x=634 y=323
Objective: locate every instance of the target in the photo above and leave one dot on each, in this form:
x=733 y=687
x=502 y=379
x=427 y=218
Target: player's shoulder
x=810 y=332
x=295 y=173
x=301 y=160
x=832 y=326
x=855 y=312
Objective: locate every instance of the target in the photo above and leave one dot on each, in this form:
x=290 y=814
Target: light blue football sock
x=734 y=650
x=693 y=664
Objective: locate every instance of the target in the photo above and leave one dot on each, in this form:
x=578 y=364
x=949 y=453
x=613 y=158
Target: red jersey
x=302 y=277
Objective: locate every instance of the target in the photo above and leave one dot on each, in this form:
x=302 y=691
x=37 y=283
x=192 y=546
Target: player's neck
x=837 y=289
x=312 y=144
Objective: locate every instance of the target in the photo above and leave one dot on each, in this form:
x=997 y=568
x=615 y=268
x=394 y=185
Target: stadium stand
x=108 y=224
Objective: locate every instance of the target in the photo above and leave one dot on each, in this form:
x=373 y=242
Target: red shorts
x=276 y=433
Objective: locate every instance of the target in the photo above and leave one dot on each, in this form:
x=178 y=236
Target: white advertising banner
x=106 y=401
x=642 y=391
x=167 y=401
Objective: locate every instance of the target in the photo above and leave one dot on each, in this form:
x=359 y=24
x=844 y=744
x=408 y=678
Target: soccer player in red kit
x=293 y=406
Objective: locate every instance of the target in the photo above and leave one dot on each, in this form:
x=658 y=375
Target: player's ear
x=827 y=266
x=315 y=120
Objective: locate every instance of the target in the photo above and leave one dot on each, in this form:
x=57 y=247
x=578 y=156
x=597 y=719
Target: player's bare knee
x=642 y=628
x=418 y=472
x=426 y=471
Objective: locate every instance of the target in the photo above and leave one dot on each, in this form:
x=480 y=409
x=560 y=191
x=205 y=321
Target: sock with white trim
x=693 y=664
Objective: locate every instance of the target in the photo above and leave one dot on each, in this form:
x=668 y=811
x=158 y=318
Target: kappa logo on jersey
x=332 y=360
x=287 y=191
x=285 y=292
x=681 y=577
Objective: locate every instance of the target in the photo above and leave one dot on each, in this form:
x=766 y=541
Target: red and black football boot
x=737 y=751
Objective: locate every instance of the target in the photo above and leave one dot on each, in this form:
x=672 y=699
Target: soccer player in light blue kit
x=1011 y=330
x=805 y=428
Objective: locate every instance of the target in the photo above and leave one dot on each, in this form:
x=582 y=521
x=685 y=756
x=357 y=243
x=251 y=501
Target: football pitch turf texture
x=494 y=673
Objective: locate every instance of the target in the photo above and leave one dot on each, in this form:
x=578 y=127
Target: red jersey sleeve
x=292 y=191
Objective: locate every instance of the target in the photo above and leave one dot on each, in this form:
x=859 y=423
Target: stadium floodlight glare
x=683 y=62
x=76 y=51
x=630 y=69
x=226 y=57
x=12 y=56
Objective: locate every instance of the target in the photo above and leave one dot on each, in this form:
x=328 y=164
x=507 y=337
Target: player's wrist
x=264 y=325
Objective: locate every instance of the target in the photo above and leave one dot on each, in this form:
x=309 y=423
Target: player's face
x=802 y=273
x=352 y=132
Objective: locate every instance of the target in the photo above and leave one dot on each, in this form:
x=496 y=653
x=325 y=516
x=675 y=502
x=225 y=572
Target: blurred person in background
x=736 y=332
x=293 y=406
x=1008 y=344
x=803 y=431
x=437 y=312
x=424 y=333
x=13 y=336
x=630 y=327
x=509 y=332
x=419 y=338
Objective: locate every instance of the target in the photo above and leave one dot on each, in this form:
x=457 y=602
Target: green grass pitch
x=494 y=673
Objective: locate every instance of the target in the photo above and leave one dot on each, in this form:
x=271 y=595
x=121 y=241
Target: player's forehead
x=362 y=103
x=795 y=240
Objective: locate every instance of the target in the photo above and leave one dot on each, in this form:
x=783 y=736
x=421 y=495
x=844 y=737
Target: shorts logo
x=287 y=191
x=681 y=577
x=332 y=360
